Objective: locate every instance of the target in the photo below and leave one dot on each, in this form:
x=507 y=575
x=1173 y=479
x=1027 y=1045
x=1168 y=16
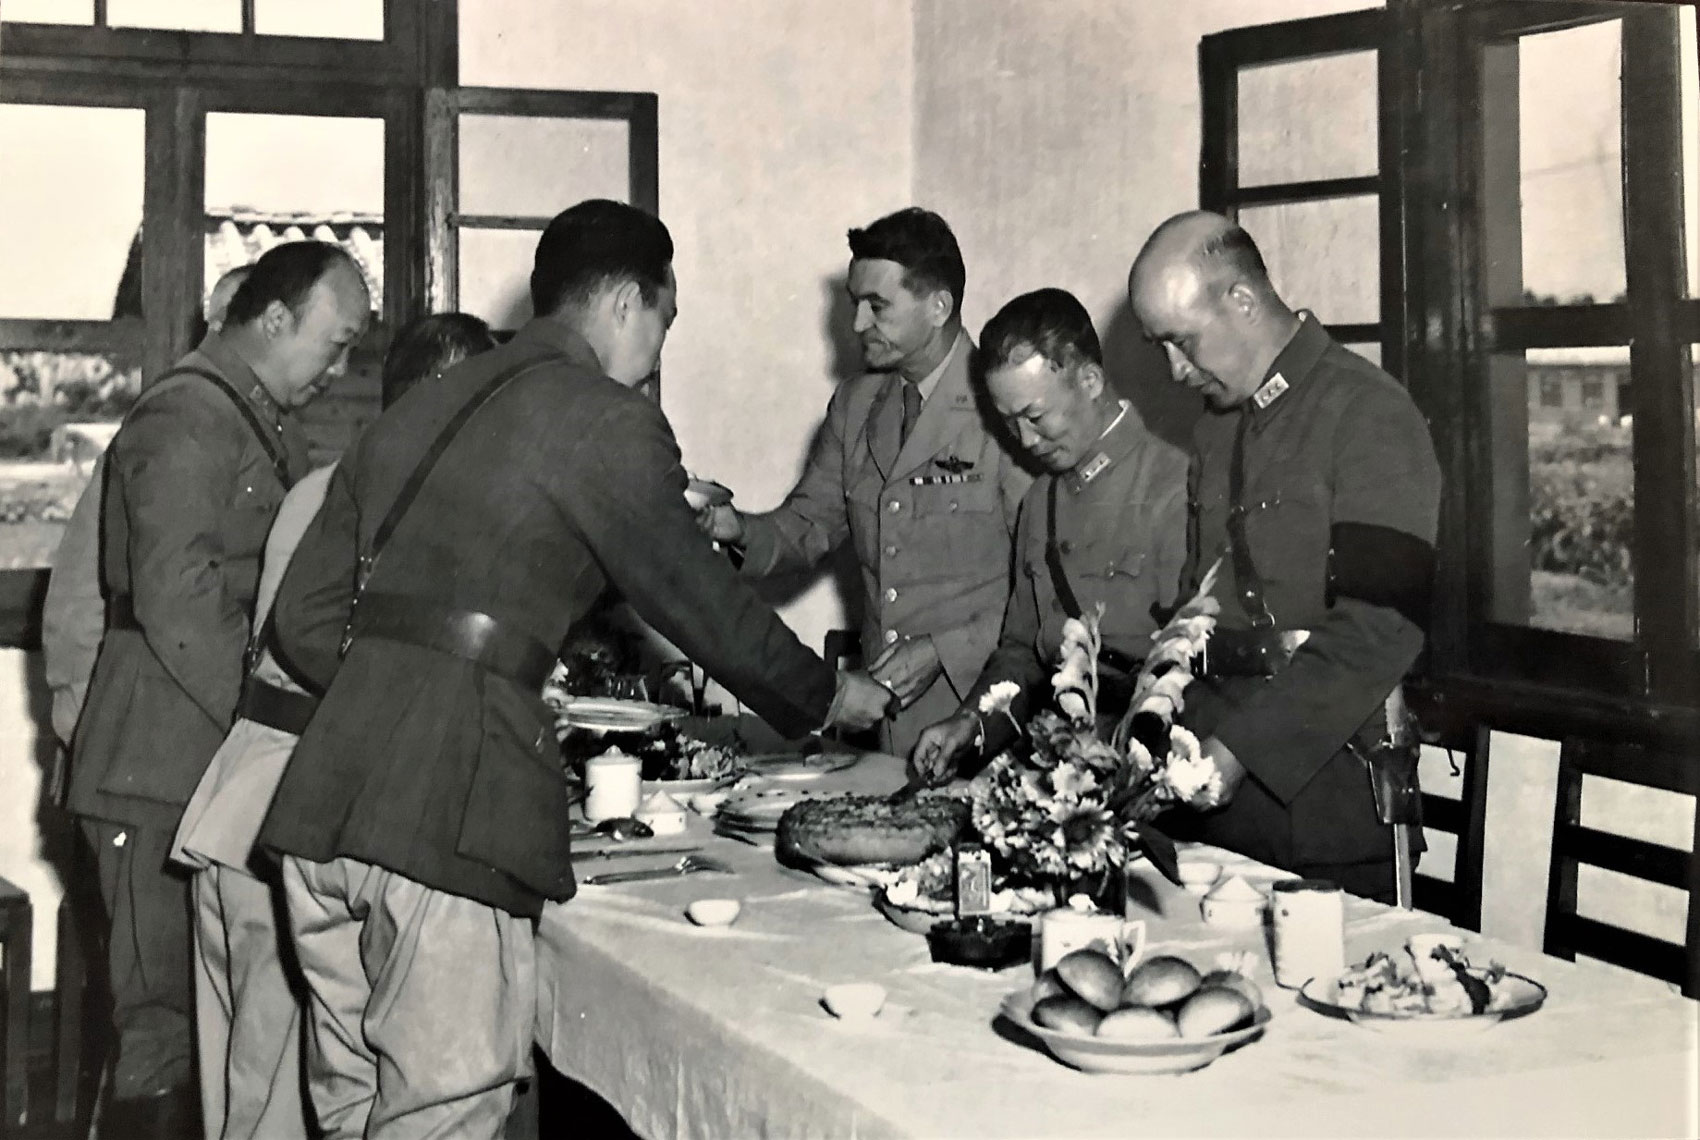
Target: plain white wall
x=782 y=124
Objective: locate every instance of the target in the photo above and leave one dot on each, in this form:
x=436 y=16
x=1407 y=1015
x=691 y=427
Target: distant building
x=1572 y=392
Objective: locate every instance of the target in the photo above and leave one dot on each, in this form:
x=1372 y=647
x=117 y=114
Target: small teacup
x=854 y=1001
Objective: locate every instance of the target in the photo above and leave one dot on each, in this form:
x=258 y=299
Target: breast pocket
x=961 y=527
x=1287 y=530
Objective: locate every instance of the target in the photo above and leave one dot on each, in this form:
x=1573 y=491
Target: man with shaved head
x=1314 y=481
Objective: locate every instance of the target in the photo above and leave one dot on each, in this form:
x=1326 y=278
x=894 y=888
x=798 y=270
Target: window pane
x=48 y=11
x=1691 y=145
x=1311 y=119
x=61 y=263
x=278 y=178
x=182 y=15
x=335 y=19
x=1563 y=491
x=1694 y=371
x=1324 y=256
x=1570 y=151
x=495 y=275
x=529 y=167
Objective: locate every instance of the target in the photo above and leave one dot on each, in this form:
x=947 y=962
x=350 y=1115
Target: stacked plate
x=753 y=816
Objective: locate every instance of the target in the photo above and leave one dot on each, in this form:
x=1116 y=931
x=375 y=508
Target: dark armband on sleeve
x=1381 y=566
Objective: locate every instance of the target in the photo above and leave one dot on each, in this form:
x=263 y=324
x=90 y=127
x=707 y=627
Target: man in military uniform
x=1104 y=527
x=193 y=480
x=1314 y=480
x=907 y=470
x=424 y=815
x=73 y=615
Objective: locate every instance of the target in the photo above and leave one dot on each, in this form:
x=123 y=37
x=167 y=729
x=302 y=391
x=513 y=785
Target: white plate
x=1111 y=1055
x=607 y=714
x=1513 y=996
x=762 y=808
x=795 y=766
x=865 y=877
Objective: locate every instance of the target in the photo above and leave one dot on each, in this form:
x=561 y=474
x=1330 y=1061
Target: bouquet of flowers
x=1065 y=805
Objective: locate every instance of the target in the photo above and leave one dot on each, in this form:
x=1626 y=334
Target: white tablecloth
x=719 y=1033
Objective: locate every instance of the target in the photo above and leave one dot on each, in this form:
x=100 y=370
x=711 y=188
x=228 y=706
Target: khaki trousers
x=247 y=1015
x=420 y=1004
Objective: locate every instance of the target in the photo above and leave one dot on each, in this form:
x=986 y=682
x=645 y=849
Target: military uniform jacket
x=189 y=498
x=565 y=483
x=1121 y=539
x=1342 y=495
x=931 y=523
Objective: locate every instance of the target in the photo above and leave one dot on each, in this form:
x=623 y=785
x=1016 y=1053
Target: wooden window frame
x=1516 y=679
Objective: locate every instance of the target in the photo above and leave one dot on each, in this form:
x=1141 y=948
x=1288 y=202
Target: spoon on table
x=618 y=829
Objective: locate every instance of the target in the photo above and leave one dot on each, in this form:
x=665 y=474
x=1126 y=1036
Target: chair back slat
x=1460 y=899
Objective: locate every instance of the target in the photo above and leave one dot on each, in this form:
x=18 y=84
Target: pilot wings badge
x=953 y=464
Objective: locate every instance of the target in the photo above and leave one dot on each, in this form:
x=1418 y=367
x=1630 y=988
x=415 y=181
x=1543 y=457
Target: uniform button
x=953 y=504
x=890 y=636
x=1066 y=546
x=891 y=551
x=894 y=506
x=891 y=594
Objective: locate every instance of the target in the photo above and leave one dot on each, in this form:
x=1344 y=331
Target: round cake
x=856 y=830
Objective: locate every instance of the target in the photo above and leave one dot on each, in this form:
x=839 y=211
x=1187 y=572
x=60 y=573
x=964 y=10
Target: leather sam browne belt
x=274 y=707
x=467 y=634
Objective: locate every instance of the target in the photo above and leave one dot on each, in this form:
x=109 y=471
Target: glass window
x=1690 y=144
x=1552 y=392
x=60 y=263
x=517 y=166
x=48 y=11
x=1570 y=151
x=1563 y=498
x=1307 y=120
x=495 y=275
x=1369 y=351
x=1323 y=255
x=181 y=15
x=278 y=178
x=329 y=19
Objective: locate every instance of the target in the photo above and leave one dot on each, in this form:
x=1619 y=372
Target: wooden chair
x=16 y=928
x=1459 y=899
x=1569 y=933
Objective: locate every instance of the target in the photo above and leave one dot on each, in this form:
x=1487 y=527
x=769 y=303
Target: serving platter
x=610 y=714
x=1513 y=996
x=797 y=766
x=1093 y=1054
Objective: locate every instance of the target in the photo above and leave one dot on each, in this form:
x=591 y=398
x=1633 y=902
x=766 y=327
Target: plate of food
x=798 y=765
x=679 y=763
x=1429 y=988
x=611 y=714
x=1166 y=1016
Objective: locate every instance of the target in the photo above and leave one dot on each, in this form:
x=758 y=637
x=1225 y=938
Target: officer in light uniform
x=907 y=469
x=1106 y=526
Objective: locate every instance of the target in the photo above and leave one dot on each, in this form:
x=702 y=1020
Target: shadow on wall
x=1139 y=370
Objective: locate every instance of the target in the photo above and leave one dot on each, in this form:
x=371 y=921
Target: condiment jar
x=613 y=785
x=1307 y=931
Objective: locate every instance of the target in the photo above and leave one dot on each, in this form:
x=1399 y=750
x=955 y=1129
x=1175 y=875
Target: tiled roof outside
x=236 y=236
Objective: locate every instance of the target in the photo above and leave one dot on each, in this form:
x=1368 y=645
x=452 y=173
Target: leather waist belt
x=468 y=634
x=282 y=709
x=1251 y=652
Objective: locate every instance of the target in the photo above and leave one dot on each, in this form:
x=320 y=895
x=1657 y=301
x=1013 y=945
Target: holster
x=1388 y=745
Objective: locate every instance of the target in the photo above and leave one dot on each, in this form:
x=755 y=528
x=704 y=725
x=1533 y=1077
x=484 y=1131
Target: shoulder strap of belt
x=274 y=451
x=1246 y=580
x=410 y=489
x=1060 y=584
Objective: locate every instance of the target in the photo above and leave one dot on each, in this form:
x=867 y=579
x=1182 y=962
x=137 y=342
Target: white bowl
x=854 y=1001
x=1114 y=1055
x=1199 y=877
x=714 y=912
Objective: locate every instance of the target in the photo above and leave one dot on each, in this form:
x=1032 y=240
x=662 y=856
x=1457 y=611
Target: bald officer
x=1315 y=480
x=1104 y=526
x=194 y=478
x=907 y=470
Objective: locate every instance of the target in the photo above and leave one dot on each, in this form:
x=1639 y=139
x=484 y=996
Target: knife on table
x=627 y=852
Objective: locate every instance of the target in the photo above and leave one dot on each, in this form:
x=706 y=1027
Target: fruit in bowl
x=1164 y=1017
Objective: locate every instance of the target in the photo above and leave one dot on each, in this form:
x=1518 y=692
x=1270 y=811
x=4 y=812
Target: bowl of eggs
x=1163 y=1017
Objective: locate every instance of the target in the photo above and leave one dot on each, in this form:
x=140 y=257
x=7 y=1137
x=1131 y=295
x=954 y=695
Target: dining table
x=715 y=1032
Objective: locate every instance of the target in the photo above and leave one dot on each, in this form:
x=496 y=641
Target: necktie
x=911 y=410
